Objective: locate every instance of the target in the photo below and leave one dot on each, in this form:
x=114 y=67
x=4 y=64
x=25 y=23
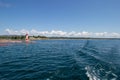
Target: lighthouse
x=26 y=38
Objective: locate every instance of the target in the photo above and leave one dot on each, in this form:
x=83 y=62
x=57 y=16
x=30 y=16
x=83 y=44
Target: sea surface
x=61 y=60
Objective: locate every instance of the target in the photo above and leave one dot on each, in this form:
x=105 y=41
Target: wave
x=98 y=68
x=97 y=72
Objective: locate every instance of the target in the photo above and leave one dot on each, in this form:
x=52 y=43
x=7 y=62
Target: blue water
x=61 y=60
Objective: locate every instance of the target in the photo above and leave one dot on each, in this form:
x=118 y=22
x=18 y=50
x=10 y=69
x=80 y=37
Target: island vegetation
x=12 y=37
x=19 y=38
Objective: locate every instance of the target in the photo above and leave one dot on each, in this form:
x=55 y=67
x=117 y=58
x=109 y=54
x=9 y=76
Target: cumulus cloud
x=115 y=35
x=59 y=33
x=35 y=32
x=12 y=32
x=79 y=34
x=23 y=31
x=103 y=34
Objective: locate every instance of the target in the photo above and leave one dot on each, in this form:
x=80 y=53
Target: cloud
x=23 y=31
x=6 y=5
x=59 y=33
x=15 y=32
x=103 y=34
x=115 y=35
x=35 y=32
x=12 y=32
x=80 y=34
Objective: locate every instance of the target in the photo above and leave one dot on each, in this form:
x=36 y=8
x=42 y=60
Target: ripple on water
x=61 y=60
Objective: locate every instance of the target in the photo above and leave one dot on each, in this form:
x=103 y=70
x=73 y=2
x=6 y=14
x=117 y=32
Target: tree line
x=14 y=37
x=18 y=37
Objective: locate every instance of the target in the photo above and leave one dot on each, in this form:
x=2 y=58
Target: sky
x=76 y=18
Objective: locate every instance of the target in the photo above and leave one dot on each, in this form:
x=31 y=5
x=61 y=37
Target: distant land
x=81 y=38
x=22 y=37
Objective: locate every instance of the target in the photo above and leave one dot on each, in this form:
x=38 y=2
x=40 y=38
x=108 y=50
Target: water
x=61 y=60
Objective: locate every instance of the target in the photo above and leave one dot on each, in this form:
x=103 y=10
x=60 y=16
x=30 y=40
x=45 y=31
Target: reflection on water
x=3 y=44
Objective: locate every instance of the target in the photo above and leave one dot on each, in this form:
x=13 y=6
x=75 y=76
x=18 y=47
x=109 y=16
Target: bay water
x=61 y=60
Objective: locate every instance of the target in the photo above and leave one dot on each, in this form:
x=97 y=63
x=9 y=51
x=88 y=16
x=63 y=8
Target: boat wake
x=99 y=73
x=103 y=70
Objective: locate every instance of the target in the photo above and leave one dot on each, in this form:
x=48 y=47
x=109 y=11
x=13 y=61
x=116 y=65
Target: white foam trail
x=47 y=79
x=98 y=73
x=91 y=75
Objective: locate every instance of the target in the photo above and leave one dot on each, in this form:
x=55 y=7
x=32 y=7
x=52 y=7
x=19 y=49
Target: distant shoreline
x=82 y=38
x=19 y=39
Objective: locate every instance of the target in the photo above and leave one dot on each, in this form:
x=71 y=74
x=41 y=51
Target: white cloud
x=60 y=33
x=15 y=32
x=12 y=32
x=23 y=31
x=72 y=33
x=87 y=34
x=80 y=34
x=101 y=34
x=115 y=35
x=35 y=32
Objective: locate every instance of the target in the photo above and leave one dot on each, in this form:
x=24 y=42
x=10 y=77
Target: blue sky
x=78 y=16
